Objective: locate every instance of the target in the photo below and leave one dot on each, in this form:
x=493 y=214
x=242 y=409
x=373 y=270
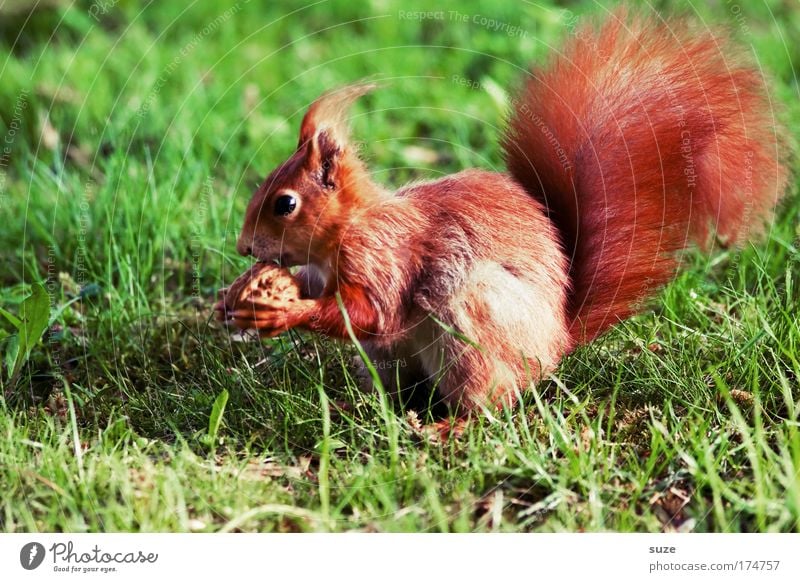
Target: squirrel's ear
x=328 y=115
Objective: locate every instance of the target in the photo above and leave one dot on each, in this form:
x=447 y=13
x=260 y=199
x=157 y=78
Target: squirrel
x=639 y=139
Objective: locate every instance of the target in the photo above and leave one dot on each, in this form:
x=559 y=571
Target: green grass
x=136 y=141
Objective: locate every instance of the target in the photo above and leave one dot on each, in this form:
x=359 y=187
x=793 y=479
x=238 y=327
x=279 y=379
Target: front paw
x=267 y=320
x=262 y=298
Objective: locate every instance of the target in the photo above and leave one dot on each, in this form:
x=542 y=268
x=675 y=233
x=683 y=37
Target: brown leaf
x=668 y=506
x=742 y=397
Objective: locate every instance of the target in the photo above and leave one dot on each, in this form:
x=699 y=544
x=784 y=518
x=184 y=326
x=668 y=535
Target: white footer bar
x=409 y=557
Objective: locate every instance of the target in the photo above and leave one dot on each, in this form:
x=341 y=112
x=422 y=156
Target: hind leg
x=501 y=332
x=470 y=376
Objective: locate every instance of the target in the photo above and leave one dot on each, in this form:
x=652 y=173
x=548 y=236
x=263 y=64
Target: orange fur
x=638 y=139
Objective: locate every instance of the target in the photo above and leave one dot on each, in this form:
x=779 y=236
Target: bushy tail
x=640 y=138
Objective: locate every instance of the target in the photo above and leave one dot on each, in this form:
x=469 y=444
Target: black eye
x=285 y=205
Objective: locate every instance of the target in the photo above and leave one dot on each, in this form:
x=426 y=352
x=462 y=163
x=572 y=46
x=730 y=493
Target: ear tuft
x=328 y=113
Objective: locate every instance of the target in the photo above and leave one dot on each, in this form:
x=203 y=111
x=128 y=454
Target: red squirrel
x=635 y=141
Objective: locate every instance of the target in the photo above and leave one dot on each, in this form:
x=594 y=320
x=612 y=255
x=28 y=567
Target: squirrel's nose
x=243 y=247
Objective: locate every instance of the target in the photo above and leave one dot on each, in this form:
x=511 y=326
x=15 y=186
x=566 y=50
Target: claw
x=223 y=313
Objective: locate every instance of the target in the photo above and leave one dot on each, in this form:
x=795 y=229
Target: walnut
x=262 y=286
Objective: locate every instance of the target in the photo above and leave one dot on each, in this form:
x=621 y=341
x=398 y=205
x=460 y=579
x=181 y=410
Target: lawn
x=134 y=134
